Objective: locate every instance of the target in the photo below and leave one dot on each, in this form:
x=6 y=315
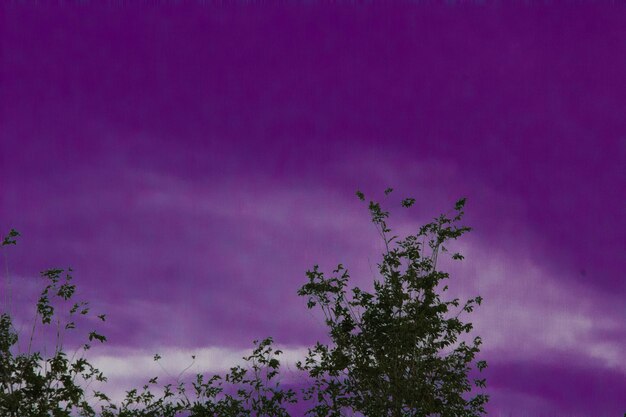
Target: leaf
x=273 y=363
x=10 y=238
x=480 y=382
x=99 y=337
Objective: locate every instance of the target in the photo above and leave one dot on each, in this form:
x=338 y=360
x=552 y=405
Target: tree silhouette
x=396 y=351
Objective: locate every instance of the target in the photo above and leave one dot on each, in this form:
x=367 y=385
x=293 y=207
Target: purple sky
x=191 y=163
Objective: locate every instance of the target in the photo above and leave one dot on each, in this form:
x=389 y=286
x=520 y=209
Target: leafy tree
x=396 y=351
x=32 y=385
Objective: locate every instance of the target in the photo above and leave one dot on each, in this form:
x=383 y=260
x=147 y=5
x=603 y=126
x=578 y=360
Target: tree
x=32 y=385
x=397 y=351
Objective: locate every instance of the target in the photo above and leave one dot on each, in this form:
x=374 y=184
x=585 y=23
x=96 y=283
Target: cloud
x=127 y=368
x=531 y=311
x=139 y=363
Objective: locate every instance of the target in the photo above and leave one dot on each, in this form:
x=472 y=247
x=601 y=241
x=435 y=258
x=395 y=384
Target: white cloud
x=529 y=312
x=260 y=200
x=132 y=368
x=137 y=363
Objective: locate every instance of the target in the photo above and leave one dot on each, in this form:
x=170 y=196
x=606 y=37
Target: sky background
x=192 y=162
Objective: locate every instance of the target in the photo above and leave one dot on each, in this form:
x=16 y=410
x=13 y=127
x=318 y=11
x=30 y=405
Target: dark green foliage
x=35 y=386
x=253 y=392
x=11 y=238
x=397 y=351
